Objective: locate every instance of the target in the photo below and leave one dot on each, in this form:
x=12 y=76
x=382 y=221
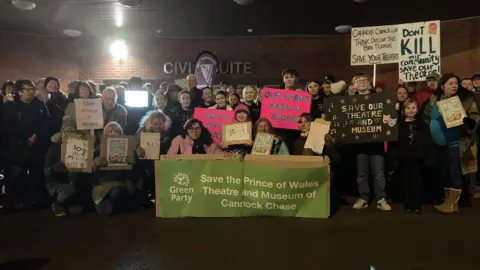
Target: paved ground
x=350 y=240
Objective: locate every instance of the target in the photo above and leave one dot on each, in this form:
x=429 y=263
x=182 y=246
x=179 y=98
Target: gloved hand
x=469 y=123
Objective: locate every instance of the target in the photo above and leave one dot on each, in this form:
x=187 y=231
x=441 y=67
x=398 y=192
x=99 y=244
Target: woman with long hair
x=263 y=125
x=456 y=146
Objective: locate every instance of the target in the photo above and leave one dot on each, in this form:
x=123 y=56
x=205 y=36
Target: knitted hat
x=241 y=108
x=48 y=79
x=380 y=85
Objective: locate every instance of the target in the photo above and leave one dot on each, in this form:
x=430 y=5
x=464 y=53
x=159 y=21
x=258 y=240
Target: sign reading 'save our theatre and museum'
x=234 y=188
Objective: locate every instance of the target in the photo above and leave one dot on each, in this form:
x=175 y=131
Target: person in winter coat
x=456 y=147
x=279 y=147
x=316 y=108
x=8 y=91
x=82 y=91
x=207 y=98
x=196 y=139
x=242 y=115
x=26 y=122
x=56 y=104
x=154 y=122
x=249 y=94
x=432 y=84
x=182 y=113
x=59 y=185
x=113 y=188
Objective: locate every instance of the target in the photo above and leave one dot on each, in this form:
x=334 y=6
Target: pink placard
x=283 y=107
x=213 y=121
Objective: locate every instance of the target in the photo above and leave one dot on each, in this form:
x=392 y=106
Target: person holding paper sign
x=242 y=115
x=456 y=146
x=196 y=139
x=370 y=156
x=112 y=187
x=279 y=147
x=82 y=91
x=154 y=122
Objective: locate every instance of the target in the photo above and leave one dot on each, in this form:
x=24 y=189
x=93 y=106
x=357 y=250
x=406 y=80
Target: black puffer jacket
x=22 y=121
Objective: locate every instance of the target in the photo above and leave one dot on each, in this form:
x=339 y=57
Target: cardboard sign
x=115 y=150
x=150 y=142
x=77 y=152
x=208 y=186
x=419 y=50
x=283 y=107
x=363 y=118
x=213 y=121
x=89 y=113
x=263 y=144
x=374 y=45
x=316 y=135
x=238 y=133
x=452 y=111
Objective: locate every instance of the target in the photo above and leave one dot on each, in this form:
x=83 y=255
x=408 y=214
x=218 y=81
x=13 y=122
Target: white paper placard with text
x=419 y=50
x=89 y=113
x=374 y=45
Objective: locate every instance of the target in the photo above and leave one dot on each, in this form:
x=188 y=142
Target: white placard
x=374 y=45
x=419 y=50
x=89 y=113
x=76 y=154
x=150 y=142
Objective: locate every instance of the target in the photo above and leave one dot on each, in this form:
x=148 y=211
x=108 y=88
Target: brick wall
x=314 y=56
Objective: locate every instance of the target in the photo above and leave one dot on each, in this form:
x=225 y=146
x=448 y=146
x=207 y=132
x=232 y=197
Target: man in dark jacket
x=26 y=121
x=56 y=104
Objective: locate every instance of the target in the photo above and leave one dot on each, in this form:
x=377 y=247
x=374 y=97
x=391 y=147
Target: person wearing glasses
x=26 y=122
x=195 y=139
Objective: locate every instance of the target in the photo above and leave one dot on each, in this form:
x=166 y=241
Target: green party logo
x=182 y=179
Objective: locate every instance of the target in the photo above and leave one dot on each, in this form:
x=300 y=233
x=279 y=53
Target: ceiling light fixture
x=244 y=2
x=250 y=30
x=118 y=15
x=131 y=3
x=72 y=33
x=343 y=29
x=360 y=1
x=159 y=31
x=23 y=5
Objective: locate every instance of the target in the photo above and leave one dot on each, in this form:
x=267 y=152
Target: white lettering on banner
x=374 y=45
x=241 y=204
x=181 y=194
x=277 y=206
x=419 y=50
x=224 y=68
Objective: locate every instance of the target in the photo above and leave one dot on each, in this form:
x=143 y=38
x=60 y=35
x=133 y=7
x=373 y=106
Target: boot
x=448 y=207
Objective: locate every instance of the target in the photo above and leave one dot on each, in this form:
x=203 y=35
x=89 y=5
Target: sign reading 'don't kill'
x=363 y=118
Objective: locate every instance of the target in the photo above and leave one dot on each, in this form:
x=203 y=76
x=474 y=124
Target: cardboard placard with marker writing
x=363 y=118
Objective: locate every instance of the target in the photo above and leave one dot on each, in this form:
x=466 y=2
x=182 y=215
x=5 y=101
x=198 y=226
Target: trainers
x=59 y=210
x=383 y=205
x=360 y=204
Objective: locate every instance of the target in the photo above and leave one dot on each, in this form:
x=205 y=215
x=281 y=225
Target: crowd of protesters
x=427 y=165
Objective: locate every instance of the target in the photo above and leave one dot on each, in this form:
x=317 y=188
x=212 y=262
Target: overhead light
x=119 y=50
x=72 y=33
x=118 y=15
x=343 y=29
x=360 y=1
x=23 y=5
x=244 y=2
x=159 y=31
x=250 y=30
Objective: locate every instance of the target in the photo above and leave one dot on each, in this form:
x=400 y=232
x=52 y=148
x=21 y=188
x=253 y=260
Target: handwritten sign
x=77 y=152
x=213 y=121
x=283 y=107
x=316 y=135
x=150 y=142
x=374 y=45
x=419 y=50
x=238 y=133
x=89 y=113
x=116 y=149
x=263 y=144
x=452 y=111
x=363 y=118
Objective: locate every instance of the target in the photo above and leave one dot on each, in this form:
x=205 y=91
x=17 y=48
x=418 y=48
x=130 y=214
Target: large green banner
x=226 y=188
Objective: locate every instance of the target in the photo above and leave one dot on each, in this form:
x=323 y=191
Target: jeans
x=63 y=193
x=113 y=202
x=25 y=183
x=454 y=177
x=377 y=165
